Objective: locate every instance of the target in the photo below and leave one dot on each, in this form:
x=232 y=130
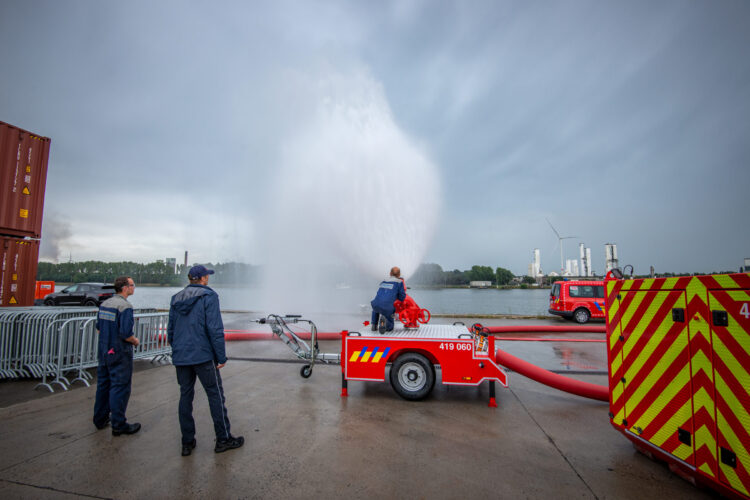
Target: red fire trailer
x=464 y=358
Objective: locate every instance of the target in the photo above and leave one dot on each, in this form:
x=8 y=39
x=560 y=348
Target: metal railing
x=44 y=342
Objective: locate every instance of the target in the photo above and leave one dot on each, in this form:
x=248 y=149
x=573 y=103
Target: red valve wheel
x=424 y=316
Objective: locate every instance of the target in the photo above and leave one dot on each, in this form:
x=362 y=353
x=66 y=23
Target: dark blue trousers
x=210 y=379
x=388 y=318
x=113 y=382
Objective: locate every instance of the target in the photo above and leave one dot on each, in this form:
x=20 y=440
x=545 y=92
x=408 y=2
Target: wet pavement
x=303 y=439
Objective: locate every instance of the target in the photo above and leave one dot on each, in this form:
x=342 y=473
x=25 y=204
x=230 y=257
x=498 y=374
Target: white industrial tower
x=610 y=252
x=535 y=268
x=585 y=253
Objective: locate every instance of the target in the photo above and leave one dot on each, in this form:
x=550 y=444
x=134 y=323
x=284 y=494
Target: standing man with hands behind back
x=115 y=371
x=196 y=334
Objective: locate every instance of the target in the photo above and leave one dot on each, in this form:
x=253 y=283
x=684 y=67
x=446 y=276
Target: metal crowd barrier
x=43 y=342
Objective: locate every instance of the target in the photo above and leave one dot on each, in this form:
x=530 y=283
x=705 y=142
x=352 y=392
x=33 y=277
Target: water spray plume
x=354 y=188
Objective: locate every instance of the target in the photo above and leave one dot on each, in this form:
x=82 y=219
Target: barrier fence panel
x=42 y=342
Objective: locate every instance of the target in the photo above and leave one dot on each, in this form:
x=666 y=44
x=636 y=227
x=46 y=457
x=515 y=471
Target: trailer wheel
x=306 y=371
x=582 y=315
x=412 y=376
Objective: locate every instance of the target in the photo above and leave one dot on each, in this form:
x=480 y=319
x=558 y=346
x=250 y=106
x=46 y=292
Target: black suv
x=81 y=294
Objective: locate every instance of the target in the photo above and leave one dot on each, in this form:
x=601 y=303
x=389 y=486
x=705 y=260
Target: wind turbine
x=559 y=241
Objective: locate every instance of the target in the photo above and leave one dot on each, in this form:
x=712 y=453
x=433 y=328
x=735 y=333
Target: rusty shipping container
x=23 y=178
x=19 y=259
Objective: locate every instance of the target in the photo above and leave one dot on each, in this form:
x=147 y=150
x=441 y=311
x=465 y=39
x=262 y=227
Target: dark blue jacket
x=115 y=324
x=390 y=290
x=195 y=330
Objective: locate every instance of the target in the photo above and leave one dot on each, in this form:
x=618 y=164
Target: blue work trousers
x=113 y=381
x=376 y=311
x=210 y=379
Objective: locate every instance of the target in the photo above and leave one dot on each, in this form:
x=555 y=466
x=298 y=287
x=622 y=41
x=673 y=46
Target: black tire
x=306 y=371
x=581 y=315
x=412 y=376
x=49 y=302
x=91 y=303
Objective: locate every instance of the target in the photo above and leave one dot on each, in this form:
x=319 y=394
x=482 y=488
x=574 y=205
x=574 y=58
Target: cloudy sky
x=379 y=132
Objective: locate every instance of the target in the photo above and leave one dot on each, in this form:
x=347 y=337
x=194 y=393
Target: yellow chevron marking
x=628 y=313
x=739 y=371
x=377 y=357
x=670 y=283
x=701 y=362
x=726 y=393
x=619 y=417
x=354 y=356
x=617 y=392
x=725 y=281
x=616 y=363
x=702 y=399
x=736 y=446
x=366 y=357
x=706 y=468
x=705 y=436
x=659 y=404
x=670 y=426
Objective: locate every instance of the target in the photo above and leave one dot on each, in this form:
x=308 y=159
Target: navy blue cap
x=199 y=271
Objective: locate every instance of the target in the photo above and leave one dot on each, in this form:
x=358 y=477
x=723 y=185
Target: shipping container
x=19 y=259
x=23 y=178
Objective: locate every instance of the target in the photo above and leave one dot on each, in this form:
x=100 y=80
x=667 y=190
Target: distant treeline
x=156 y=273
x=433 y=275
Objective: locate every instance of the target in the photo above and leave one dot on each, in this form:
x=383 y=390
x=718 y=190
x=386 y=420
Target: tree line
x=154 y=273
x=433 y=275
x=238 y=273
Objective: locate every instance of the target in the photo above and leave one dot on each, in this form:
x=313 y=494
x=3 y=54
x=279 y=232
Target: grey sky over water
x=624 y=122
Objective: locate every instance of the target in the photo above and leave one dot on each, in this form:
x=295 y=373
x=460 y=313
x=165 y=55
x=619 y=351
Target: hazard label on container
x=28 y=169
x=14 y=287
x=24 y=213
x=15 y=277
x=27 y=179
x=26 y=190
x=12 y=300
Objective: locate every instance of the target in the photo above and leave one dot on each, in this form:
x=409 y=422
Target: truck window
x=585 y=291
x=599 y=292
x=555 y=291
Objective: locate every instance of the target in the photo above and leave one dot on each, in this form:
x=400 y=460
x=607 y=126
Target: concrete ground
x=303 y=439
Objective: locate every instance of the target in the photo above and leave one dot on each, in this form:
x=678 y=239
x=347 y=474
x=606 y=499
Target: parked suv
x=81 y=294
x=577 y=300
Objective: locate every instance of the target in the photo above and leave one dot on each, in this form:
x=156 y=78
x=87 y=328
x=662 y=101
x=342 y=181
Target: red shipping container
x=19 y=259
x=23 y=178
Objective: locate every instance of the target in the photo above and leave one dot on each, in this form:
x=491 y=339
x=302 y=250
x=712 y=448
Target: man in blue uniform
x=390 y=290
x=196 y=333
x=115 y=371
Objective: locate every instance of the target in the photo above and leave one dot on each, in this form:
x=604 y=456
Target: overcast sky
x=411 y=131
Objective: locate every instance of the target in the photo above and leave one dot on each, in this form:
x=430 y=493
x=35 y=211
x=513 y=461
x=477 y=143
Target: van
x=577 y=300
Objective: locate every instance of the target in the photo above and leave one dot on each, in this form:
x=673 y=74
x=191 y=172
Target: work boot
x=229 y=444
x=128 y=429
x=381 y=325
x=188 y=448
x=103 y=424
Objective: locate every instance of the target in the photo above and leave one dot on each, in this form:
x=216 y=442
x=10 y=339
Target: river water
x=461 y=301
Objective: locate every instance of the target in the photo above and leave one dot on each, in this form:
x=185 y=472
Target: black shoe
x=103 y=424
x=374 y=327
x=381 y=325
x=188 y=448
x=128 y=429
x=229 y=444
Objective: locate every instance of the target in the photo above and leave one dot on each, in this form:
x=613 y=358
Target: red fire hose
x=577 y=387
x=546 y=329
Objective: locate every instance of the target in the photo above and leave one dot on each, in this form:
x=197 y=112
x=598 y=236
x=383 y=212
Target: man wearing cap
x=196 y=333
